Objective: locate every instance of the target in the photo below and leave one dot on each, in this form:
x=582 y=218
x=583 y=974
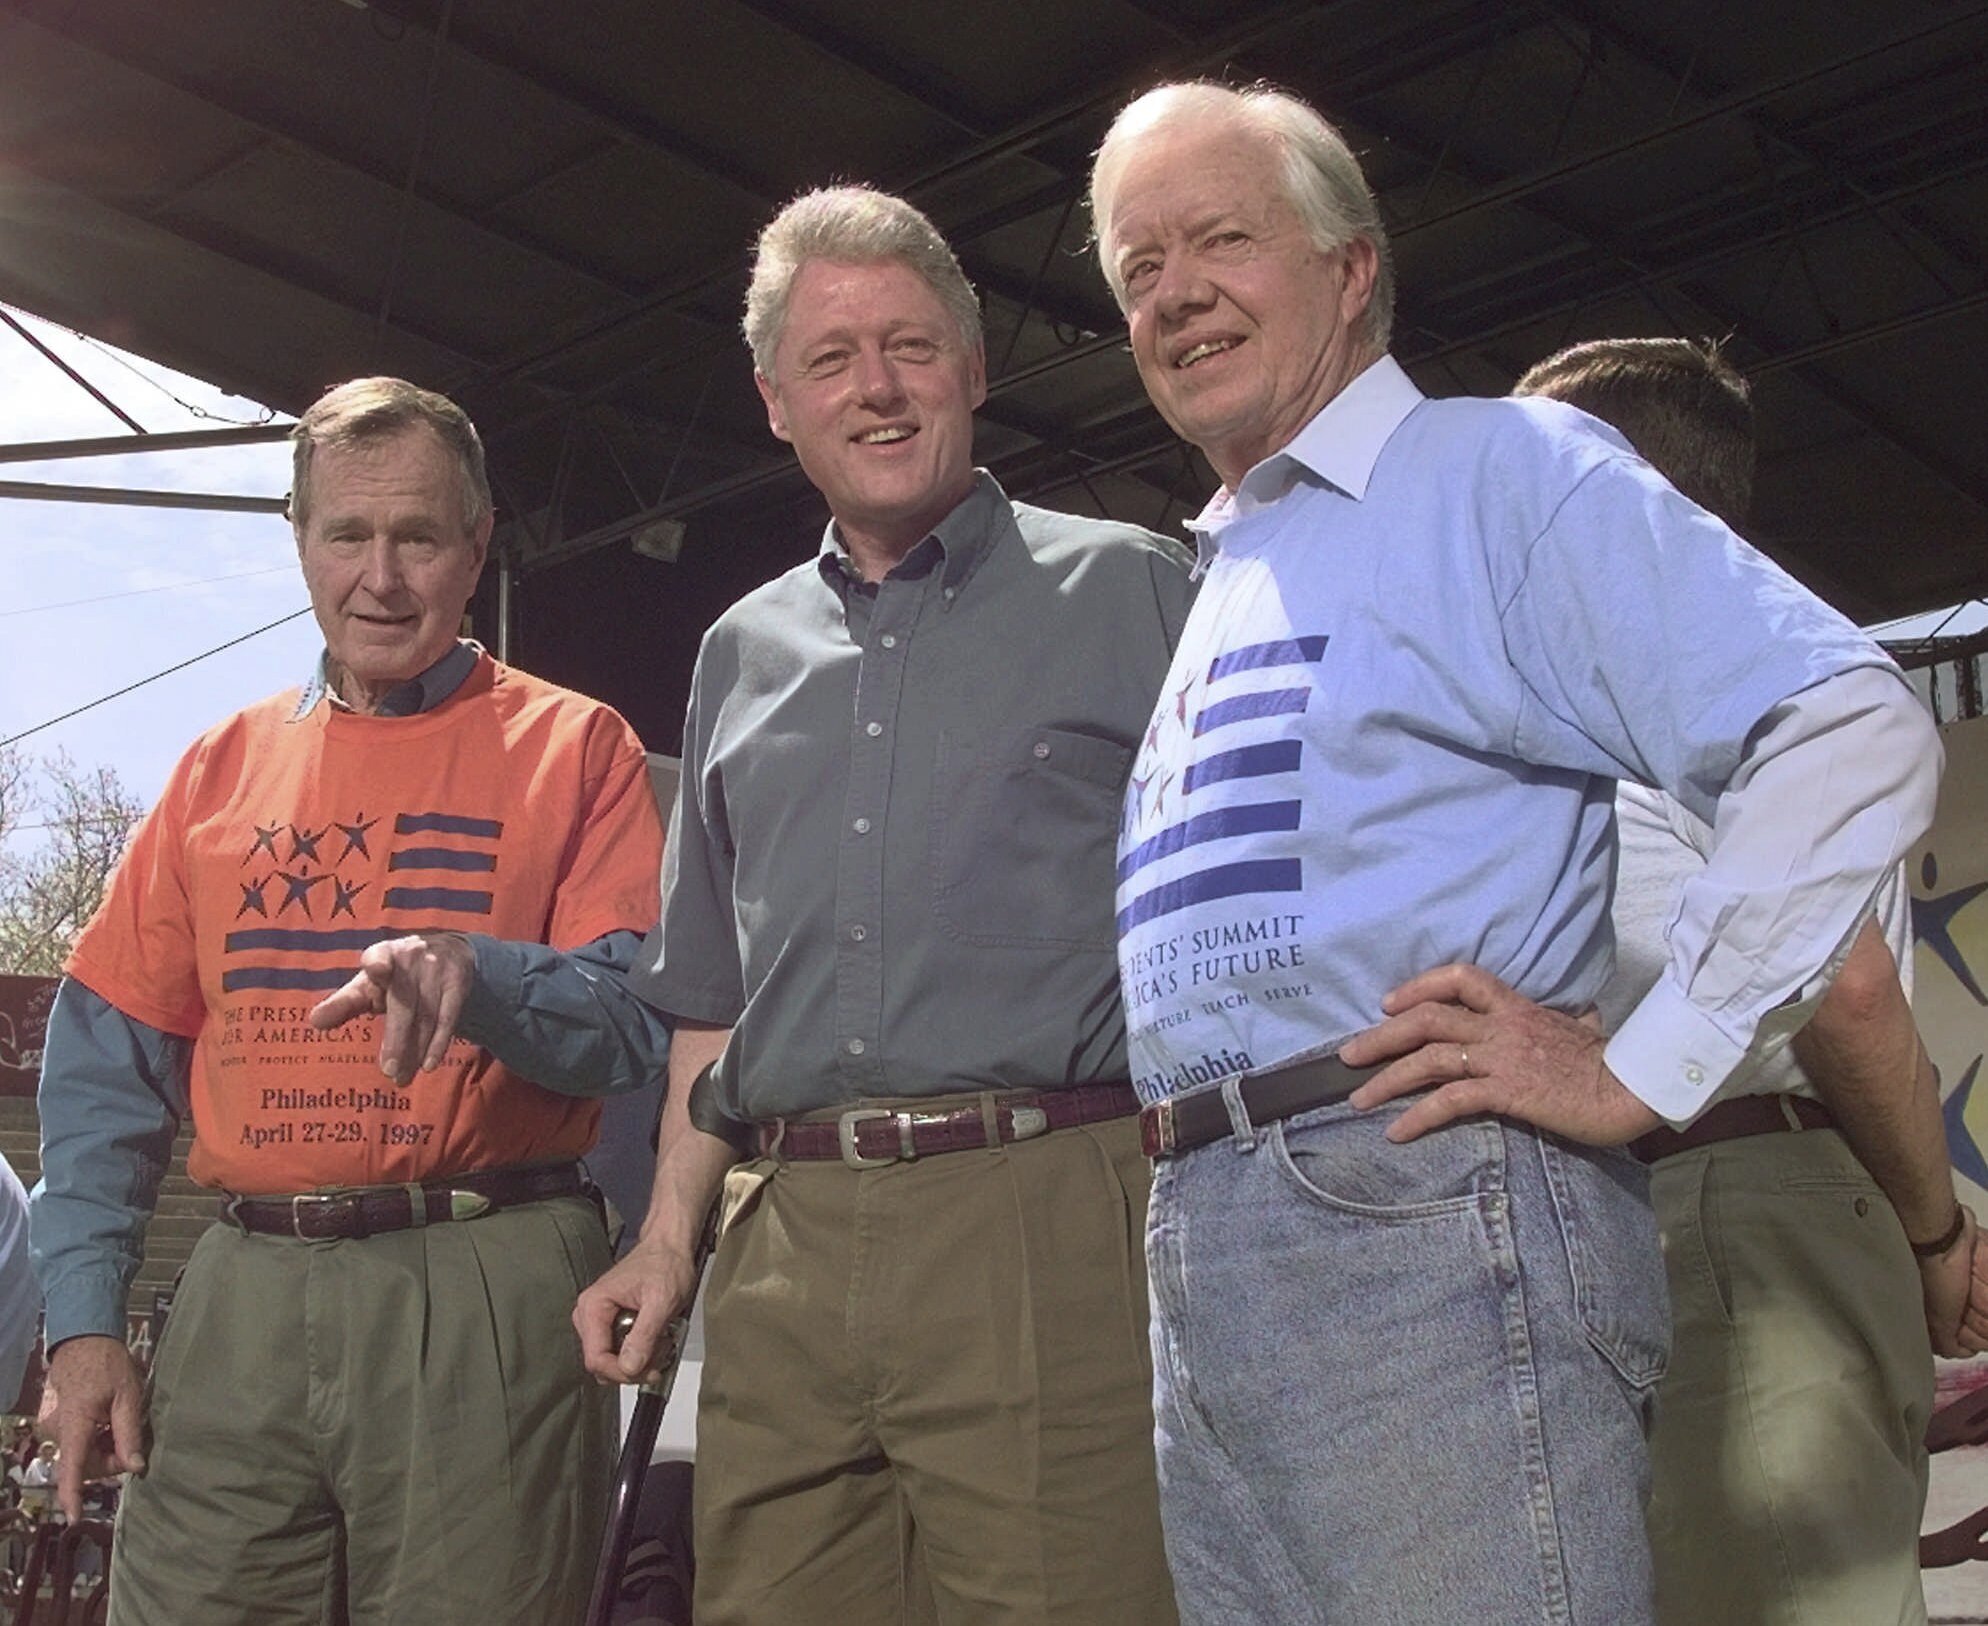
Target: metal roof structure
x=545 y=210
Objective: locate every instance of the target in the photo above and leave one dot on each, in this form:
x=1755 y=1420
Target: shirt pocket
x=1024 y=836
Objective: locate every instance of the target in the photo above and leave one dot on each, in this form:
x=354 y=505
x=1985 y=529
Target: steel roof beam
x=272 y=129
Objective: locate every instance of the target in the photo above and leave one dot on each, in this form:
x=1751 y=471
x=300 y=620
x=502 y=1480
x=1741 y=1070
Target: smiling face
x=1242 y=327
x=875 y=387
x=388 y=560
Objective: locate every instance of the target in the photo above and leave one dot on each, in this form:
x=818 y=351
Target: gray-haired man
x=1406 y=1354
x=888 y=936
x=888 y=924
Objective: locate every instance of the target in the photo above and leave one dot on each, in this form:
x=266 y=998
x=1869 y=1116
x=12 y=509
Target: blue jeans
x=1404 y=1385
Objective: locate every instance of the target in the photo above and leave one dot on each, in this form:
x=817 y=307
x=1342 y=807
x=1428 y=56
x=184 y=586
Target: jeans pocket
x=1343 y=1160
x=1601 y=1196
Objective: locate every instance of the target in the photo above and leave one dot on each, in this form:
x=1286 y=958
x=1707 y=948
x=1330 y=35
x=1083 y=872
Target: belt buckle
x=1156 y=1129
x=325 y=1198
x=845 y=1132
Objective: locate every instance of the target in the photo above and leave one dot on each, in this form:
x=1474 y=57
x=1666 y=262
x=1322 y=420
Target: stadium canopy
x=545 y=208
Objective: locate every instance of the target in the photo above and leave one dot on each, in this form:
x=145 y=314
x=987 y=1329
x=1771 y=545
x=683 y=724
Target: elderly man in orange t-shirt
x=369 y=1398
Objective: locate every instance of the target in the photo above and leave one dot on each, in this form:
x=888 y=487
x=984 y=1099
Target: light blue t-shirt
x=1431 y=636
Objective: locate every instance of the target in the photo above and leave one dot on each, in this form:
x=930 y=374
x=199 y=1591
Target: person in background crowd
x=1812 y=1239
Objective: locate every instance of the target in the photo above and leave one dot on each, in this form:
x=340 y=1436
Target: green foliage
x=62 y=830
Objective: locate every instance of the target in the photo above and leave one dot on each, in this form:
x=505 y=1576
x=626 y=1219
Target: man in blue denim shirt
x=1403 y=1376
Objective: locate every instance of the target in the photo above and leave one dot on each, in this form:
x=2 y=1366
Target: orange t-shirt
x=281 y=849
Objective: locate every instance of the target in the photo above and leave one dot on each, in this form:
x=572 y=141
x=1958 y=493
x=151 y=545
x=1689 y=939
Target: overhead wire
x=179 y=666
x=140 y=592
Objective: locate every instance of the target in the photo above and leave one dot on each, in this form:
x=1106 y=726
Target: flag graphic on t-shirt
x=322 y=892
x=1198 y=782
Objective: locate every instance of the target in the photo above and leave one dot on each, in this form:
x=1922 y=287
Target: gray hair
x=366 y=411
x=1322 y=179
x=855 y=225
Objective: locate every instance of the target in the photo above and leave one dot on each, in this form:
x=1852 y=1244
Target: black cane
x=650 y=1400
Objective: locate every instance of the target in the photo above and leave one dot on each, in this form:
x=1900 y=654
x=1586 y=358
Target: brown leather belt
x=1182 y=1122
x=325 y=1216
x=873 y=1137
x=1729 y=1120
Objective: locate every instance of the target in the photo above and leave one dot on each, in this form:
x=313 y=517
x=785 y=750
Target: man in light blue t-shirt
x=1405 y=1349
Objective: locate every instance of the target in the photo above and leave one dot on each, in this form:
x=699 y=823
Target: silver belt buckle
x=1025 y=1123
x=297 y=1212
x=845 y=1132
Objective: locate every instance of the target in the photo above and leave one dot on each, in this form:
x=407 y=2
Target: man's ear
x=481 y=538
x=1363 y=264
x=977 y=375
x=776 y=420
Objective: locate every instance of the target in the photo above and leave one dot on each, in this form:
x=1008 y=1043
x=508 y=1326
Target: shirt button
x=861 y=827
x=873 y=729
x=1694 y=1074
x=949 y=595
x=888 y=640
x=1042 y=750
x=854 y=1047
x=858 y=933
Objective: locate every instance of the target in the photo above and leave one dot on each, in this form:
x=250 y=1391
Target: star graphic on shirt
x=1153 y=735
x=1139 y=791
x=304 y=844
x=252 y=898
x=342 y=896
x=355 y=835
x=1180 y=702
x=265 y=840
x=297 y=889
x=1160 y=795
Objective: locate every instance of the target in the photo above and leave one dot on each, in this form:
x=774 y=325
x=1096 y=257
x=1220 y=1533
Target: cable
x=140 y=592
x=91 y=705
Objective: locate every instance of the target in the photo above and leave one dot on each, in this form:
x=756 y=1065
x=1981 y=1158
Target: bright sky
x=94 y=597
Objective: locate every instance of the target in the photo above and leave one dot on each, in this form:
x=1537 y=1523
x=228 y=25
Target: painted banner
x=1949 y=875
x=24 y=1003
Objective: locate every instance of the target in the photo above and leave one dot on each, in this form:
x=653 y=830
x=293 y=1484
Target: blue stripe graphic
x=1254 y=657
x=1245 y=707
x=1250 y=762
x=1205 y=886
x=276 y=976
x=1251 y=818
x=446 y=824
x=309 y=942
x=440 y=858
x=438 y=897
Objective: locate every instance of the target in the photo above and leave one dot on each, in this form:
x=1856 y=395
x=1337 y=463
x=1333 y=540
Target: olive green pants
x=395 y=1431
x=927 y=1393
x=1788 y=1456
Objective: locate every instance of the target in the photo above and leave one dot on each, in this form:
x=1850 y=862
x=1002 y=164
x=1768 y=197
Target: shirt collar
x=961 y=539
x=1340 y=446
x=423 y=692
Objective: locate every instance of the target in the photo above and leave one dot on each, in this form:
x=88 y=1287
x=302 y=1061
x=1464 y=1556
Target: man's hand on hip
x=655 y=1280
x=1478 y=1046
x=419 y=984
x=93 y=1391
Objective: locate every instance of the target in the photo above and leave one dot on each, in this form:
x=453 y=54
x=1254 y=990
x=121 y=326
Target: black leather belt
x=872 y=1137
x=325 y=1216
x=1182 y=1122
